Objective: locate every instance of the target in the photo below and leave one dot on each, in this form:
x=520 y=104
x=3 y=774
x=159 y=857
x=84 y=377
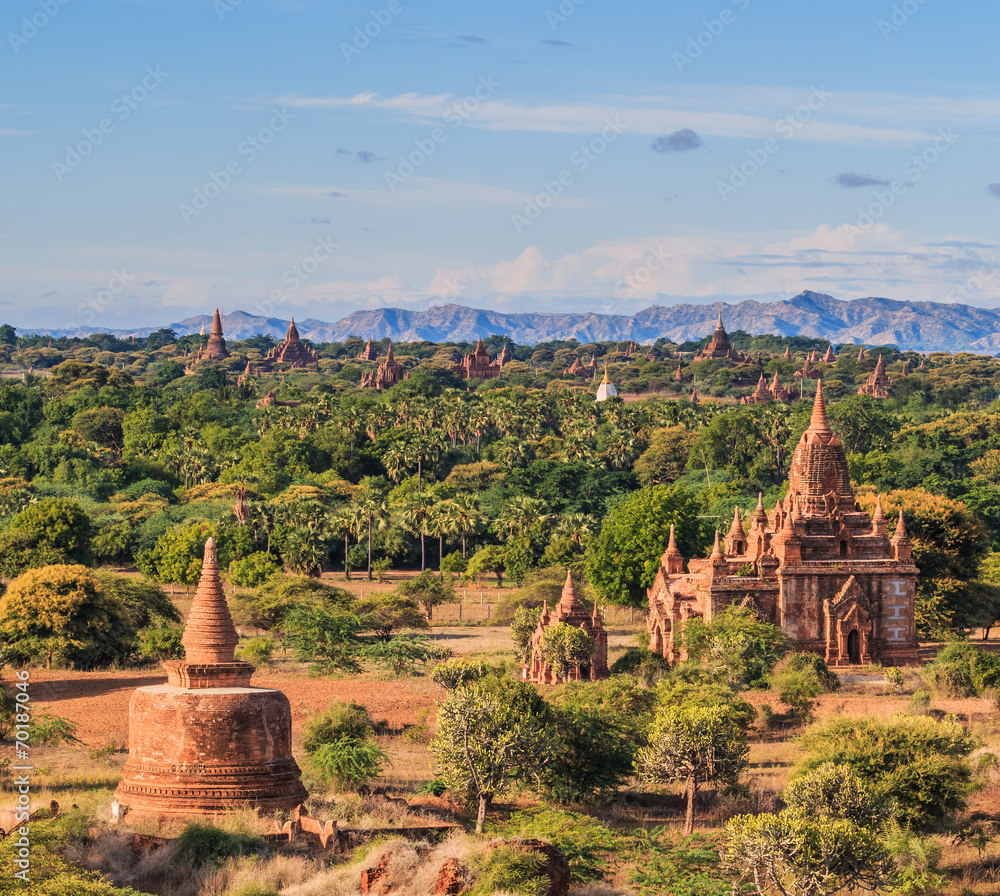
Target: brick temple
x=719 y=348
x=572 y=612
x=819 y=567
x=386 y=375
x=207 y=742
x=292 y=352
x=216 y=349
x=879 y=384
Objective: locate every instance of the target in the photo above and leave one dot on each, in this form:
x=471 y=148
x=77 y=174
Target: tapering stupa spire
x=717 y=549
x=209 y=634
x=570 y=603
x=737 y=527
x=901 y=526
x=819 y=421
x=216 y=324
x=606 y=379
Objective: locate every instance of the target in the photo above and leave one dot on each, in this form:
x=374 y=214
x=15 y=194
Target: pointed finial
x=606 y=379
x=819 y=421
x=901 y=526
x=672 y=543
x=737 y=527
x=209 y=634
x=717 y=550
x=879 y=512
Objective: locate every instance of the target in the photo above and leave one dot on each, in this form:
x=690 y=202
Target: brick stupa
x=206 y=742
x=216 y=349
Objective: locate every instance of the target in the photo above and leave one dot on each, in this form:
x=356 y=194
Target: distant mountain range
x=921 y=326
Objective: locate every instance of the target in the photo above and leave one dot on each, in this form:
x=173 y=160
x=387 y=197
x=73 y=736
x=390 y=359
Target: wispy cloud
x=994 y=190
x=645 y=115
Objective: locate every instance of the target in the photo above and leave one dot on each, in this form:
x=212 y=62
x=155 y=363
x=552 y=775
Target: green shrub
x=590 y=848
x=680 y=866
x=895 y=679
x=257 y=651
x=920 y=764
x=203 y=844
x=512 y=871
x=348 y=762
x=339 y=721
x=961 y=670
x=162 y=642
x=47 y=730
x=799 y=678
x=253 y=570
x=454 y=673
x=736 y=645
x=641 y=661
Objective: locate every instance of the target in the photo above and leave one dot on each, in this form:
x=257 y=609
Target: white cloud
x=712 y=112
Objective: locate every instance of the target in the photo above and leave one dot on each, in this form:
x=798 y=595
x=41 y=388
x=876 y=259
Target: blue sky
x=541 y=155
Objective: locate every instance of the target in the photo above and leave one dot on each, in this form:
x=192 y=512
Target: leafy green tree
x=523 y=627
x=492 y=735
x=428 y=591
x=253 y=570
x=622 y=561
x=915 y=761
x=386 y=613
x=666 y=458
x=348 y=763
x=143 y=600
x=565 y=646
x=695 y=742
x=178 y=554
x=796 y=854
x=62 y=613
x=58 y=524
x=101 y=425
x=329 y=640
x=737 y=645
x=267 y=607
x=799 y=679
x=455 y=673
x=488 y=559
x=161 y=642
x=864 y=424
x=961 y=670
x=337 y=721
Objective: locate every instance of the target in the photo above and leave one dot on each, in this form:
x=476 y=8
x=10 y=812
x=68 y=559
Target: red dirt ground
x=98 y=701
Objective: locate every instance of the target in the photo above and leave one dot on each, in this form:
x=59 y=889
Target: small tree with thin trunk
x=696 y=743
x=492 y=735
x=565 y=646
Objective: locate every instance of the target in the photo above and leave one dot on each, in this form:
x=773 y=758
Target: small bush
x=895 y=679
x=961 y=670
x=161 y=642
x=257 y=651
x=641 y=661
x=47 y=730
x=454 y=673
x=339 y=721
x=348 y=763
x=202 y=844
x=799 y=678
x=513 y=871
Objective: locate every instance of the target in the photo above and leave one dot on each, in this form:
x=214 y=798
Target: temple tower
x=207 y=742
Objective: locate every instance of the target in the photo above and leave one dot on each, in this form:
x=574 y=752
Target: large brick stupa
x=206 y=742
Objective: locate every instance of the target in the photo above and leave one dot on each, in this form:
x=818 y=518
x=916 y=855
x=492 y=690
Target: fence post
x=459 y=612
x=489 y=610
x=482 y=598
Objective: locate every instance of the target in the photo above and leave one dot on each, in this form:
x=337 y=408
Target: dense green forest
x=119 y=452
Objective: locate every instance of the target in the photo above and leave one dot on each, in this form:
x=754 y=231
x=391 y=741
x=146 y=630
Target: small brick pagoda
x=878 y=385
x=571 y=611
x=216 y=349
x=369 y=352
x=388 y=373
x=477 y=364
x=719 y=348
x=820 y=568
x=207 y=742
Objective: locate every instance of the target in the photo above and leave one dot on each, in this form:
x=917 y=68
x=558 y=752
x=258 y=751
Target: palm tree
x=413 y=517
x=520 y=514
x=576 y=527
x=369 y=512
x=340 y=524
x=469 y=518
